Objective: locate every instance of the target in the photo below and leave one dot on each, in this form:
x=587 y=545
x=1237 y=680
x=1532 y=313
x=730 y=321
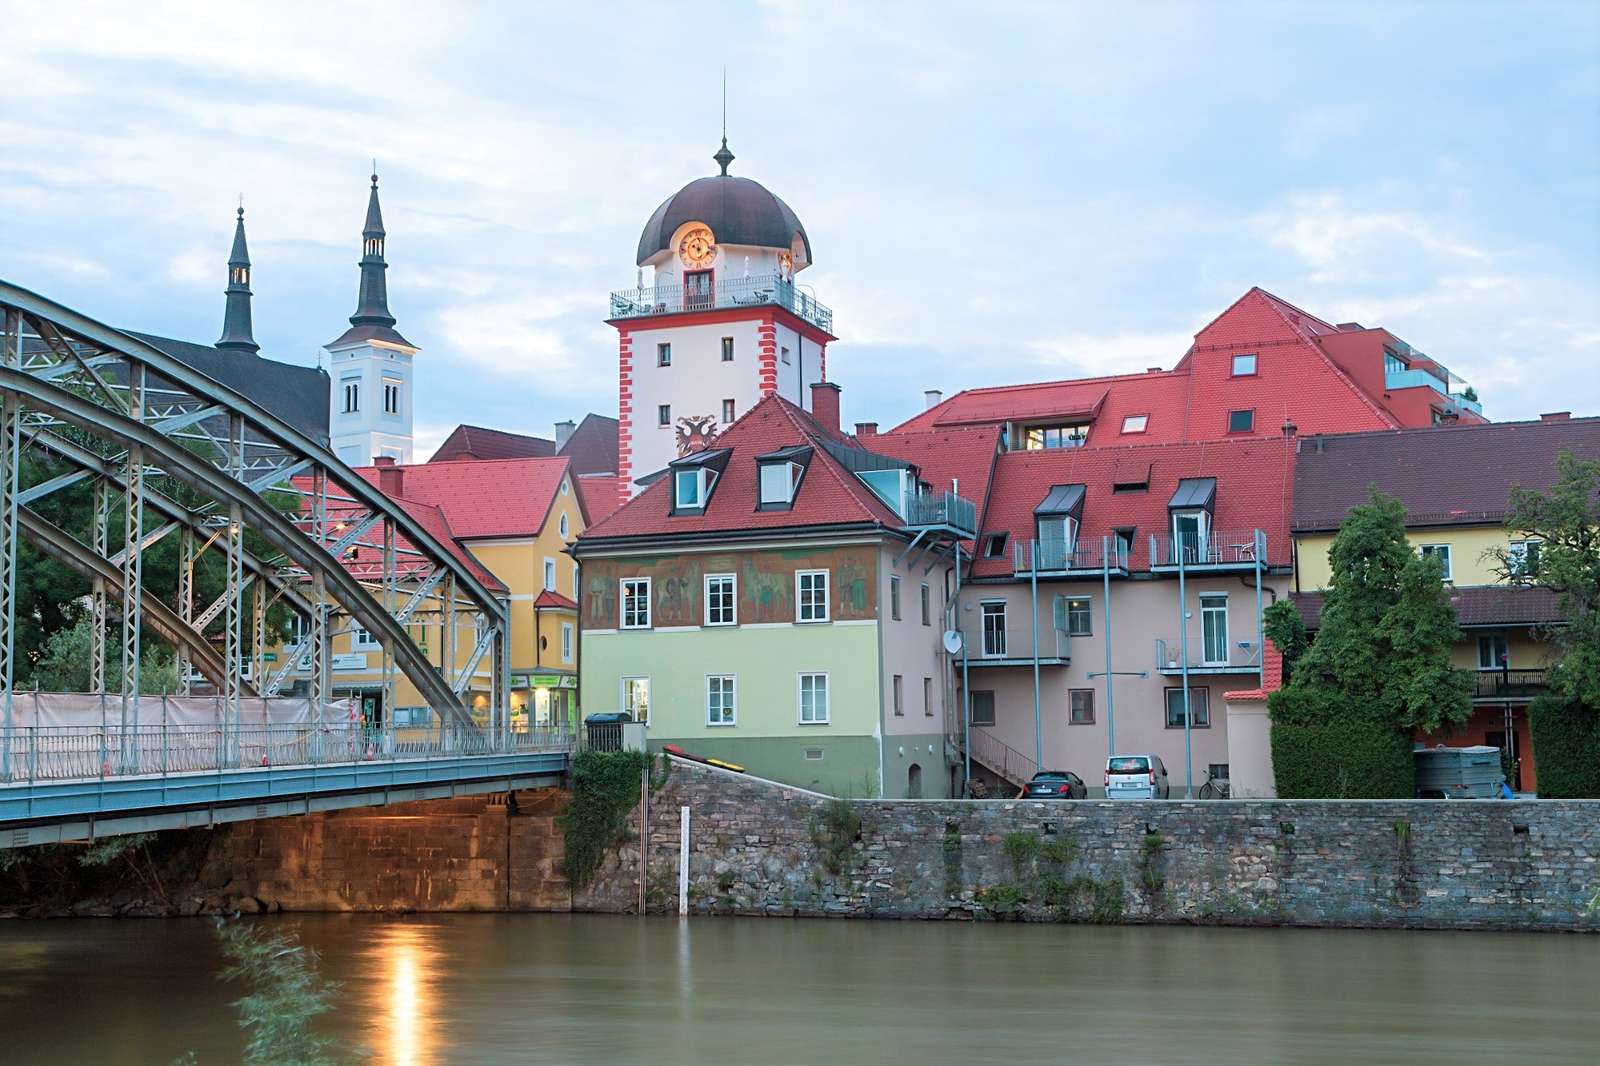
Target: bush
x=1339 y=757
x=1566 y=741
x=605 y=789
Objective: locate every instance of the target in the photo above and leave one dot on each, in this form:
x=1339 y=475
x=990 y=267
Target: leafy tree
x=1378 y=670
x=1287 y=631
x=63 y=664
x=1565 y=524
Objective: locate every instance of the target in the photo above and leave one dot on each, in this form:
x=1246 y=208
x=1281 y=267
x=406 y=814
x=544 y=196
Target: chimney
x=931 y=398
x=564 y=433
x=391 y=476
x=825 y=405
x=1555 y=416
x=1349 y=327
x=866 y=429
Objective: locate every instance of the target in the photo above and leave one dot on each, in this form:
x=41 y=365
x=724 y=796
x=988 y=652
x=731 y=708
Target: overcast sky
x=995 y=193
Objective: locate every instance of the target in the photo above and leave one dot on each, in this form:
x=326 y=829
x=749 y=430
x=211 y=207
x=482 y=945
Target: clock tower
x=719 y=323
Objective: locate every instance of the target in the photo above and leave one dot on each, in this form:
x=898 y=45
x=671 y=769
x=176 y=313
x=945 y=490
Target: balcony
x=763 y=289
x=1058 y=557
x=1214 y=550
x=1507 y=684
x=1243 y=658
x=942 y=511
x=1415 y=379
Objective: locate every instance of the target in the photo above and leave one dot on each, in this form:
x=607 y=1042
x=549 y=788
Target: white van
x=1136 y=777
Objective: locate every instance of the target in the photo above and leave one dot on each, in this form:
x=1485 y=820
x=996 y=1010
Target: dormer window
x=1069 y=435
x=1057 y=518
x=778 y=476
x=694 y=478
x=1190 y=510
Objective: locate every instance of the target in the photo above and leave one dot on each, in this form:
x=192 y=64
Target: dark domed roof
x=738 y=210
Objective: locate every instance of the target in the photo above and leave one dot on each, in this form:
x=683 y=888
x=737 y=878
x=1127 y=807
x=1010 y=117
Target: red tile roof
x=828 y=494
x=365 y=558
x=554 y=599
x=476 y=442
x=597 y=493
x=483 y=497
x=949 y=460
x=1254 y=491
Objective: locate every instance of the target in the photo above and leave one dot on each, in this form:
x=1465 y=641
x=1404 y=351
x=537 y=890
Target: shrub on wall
x=1566 y=737
x=605 y=788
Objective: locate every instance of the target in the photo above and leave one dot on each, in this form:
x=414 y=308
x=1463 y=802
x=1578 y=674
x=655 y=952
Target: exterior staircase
x=989 y=753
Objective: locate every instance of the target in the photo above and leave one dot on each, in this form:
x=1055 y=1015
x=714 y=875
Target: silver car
x=1136 y=777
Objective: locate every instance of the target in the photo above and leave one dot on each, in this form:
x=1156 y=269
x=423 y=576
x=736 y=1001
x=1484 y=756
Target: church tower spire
x=373 y=309
x=236 y=333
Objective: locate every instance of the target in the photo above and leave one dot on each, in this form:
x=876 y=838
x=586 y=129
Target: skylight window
x=1242 y=421
x=1244 y=365
x=995 y=546
x=1135 y=423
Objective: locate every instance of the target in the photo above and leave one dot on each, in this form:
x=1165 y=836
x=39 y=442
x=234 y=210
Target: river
x=470 y=989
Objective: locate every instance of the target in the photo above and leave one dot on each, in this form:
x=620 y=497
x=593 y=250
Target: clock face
x=697 y=248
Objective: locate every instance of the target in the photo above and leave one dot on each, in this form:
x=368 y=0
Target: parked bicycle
x=1215 y=788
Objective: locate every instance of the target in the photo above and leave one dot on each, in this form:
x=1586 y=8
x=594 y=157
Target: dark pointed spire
x=236 y=332
x=723 y=156
x=373 y=307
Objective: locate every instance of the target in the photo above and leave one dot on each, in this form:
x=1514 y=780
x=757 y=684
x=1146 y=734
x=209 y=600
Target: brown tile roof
x=1445 y=475
x=1476 y=605
x=592 y=446
x=476 y=442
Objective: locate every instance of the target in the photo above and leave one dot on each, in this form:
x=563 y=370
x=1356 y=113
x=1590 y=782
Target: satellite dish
x=952 y=641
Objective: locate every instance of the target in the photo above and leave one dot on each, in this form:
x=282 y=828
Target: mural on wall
x=766 y=584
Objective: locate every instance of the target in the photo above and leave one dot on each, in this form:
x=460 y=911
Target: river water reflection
x=466 y=989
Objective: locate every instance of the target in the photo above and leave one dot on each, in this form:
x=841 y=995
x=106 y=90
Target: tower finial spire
x=723 y=156
x=236 y=328
x=373 y=304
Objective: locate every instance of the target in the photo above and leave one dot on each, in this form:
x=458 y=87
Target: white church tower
x=370 y=365
x=721 y=324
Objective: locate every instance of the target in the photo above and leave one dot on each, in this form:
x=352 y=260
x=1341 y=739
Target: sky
x=994 y=193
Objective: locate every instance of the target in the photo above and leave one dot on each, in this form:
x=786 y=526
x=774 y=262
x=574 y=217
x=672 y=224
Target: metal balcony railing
x=1413 y=379
x=724 y=292
x=1210 y=549
x=1244 y=655
x=942 y=509
x=1058 y=555
x=1507 y=684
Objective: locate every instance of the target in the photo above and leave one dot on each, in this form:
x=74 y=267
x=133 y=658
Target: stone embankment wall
x=765 y=849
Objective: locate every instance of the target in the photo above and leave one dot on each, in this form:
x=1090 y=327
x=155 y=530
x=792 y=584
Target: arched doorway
x=914 y=781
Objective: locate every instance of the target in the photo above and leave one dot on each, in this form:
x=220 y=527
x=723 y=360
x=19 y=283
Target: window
x=1080 y=706
x=899 y=696
x=727 y=411
x=1037 y=438
x=566 y=642
x=691 y=488
x=995 y=546
x=982 y=708
x=360 y=638
x=698 y=289
x=1199 y=710
x=784 y=354
x=1522 y=557
x=1244 y=365
x=1242 y=421
x=636 y=698
x=1392 y=363
x=894 y=598
x=1214 y=628
x=566 y=527
x=664 y=415
x=550 y=575
x=813 y=699
x=994 y=630
x=777 y=484
x=1122 y=543
x=1078 y=616
x=1189 y=533
x=720 y=599
x=1135 y=423
x=727 y=349
x=719 y=699
x=352 y=396
x=577 y=582
x=1493 y=652
x=1440 y=552
x=927 y=606
x=927 y=697
x=663 y=355
x=811 y=595
x=1057 y=536
x=391 y=396
x=635 y=603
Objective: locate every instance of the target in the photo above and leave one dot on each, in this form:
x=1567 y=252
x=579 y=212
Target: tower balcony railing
x=945 y=510
x=754 y=291
x=1061 y=556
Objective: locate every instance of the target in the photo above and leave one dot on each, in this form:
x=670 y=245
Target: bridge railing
x=45 y=753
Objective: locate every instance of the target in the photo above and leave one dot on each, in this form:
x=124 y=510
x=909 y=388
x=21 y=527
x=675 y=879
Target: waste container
x=605 y=730
x=1458 y=773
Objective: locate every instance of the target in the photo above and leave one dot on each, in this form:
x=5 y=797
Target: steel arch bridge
x=145 y=430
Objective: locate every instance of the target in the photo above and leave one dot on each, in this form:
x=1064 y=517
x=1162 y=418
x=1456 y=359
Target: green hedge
x=1346 y=758
x=1566 y=748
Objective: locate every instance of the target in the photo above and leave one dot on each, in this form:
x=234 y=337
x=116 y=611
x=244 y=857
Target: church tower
x=721 y=324
x=236 y=331
x=370 y=364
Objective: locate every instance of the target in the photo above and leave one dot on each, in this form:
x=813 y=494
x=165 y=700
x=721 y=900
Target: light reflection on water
x=472 y=990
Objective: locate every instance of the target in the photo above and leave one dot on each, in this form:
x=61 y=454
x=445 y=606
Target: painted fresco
x=766 y=584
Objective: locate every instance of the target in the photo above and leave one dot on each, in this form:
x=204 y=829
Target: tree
x=1563 y=525
x=1378 y=670
x=1287 y=631
x=63 y=663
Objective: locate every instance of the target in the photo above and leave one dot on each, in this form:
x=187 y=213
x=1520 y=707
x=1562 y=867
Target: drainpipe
x=1183 y=652
x=1038 y=728
x=1260 y=539
x=1105 y=578
x=966 y=689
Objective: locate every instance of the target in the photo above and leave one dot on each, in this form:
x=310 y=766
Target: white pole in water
x=683 y=862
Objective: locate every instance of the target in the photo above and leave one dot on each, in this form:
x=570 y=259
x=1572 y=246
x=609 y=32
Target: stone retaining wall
x=762 y=848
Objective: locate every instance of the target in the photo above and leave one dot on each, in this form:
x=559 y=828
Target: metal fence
x=44 y=753
x=1212 y=548
x=1507 y=684
x=1054 y=555
x=942 y=509
x=725 y=292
